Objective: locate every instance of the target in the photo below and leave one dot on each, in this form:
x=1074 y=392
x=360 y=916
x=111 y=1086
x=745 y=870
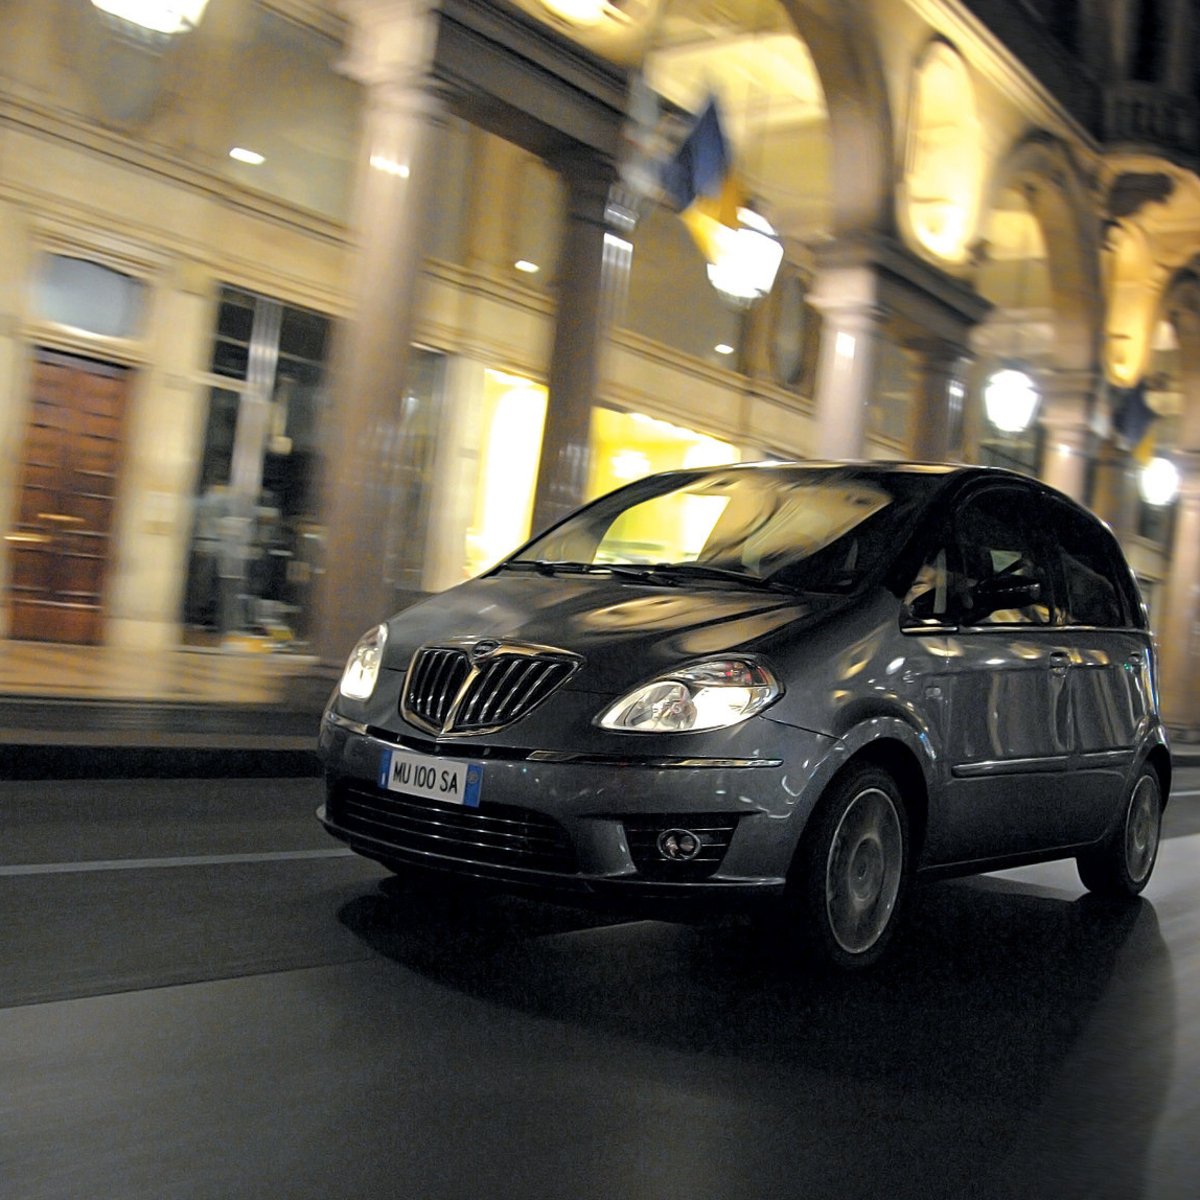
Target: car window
x=927 y=601
x=1091 y=591
x=996 y=537
x=819 y=530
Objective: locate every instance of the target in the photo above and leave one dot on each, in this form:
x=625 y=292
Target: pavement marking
x=1186 y=792
x=145 y=864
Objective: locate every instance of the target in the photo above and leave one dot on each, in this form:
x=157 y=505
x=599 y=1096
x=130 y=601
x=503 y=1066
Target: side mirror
x=1000 y=592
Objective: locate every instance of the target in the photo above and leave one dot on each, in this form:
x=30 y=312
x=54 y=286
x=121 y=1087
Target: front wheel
x=1120 y=866
x=854 y=869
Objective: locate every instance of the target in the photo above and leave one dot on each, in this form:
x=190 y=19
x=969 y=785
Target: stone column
x=391 y=52
x=848 y=364
x=936 y=428
x=1115 y=496
x=579 y=335
x=1179 y=636
x=1066 y=420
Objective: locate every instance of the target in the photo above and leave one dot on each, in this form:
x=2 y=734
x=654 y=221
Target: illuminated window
x=626 y=446
x=513 y=414
x=944 y=176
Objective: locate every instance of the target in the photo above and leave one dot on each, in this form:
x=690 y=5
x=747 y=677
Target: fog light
x=678 y=845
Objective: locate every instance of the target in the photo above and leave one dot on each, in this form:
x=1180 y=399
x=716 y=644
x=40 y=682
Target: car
x=796 y=688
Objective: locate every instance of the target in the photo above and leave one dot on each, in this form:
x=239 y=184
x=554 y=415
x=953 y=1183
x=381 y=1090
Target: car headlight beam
x=362 y=667
x=708 y=695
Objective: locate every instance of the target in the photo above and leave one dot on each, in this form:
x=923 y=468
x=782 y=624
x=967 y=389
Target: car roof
x=949 y=477
x=879 y=467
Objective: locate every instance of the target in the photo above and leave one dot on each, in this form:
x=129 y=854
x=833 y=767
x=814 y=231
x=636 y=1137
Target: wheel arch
x=906 y=764
x=1159 y=759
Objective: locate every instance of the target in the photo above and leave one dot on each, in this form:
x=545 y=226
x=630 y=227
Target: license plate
x=432 y=778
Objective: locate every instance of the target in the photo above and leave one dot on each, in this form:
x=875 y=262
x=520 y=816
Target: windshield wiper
x=547 y=566
x=673 y=572
x=663 y=574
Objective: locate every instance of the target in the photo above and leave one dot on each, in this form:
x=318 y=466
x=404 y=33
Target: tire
x=1121 y=865
x=853 y=870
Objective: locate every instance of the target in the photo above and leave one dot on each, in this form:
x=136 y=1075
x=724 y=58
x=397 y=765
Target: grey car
x=797 y=686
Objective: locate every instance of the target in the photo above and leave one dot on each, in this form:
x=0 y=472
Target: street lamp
x=745 y=260
x=1159 y=482
x=1010 y=398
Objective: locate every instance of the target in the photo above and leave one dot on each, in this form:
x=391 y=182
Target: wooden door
x=61 y=543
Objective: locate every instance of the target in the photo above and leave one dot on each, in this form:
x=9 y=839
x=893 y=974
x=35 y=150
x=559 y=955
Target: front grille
x=715 y=831
x=494 y=835
x=445 y=692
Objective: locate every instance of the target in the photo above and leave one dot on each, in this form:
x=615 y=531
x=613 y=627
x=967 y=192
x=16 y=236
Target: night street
x=204 y=996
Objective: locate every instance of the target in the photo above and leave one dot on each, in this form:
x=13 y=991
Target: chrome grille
x=492 y=835
x=434 y=680
x=447 y=692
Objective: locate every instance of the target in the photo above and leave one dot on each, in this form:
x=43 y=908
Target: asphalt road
x=202 y=996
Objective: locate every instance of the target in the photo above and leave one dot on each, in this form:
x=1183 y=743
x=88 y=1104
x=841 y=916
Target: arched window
x=944 y=173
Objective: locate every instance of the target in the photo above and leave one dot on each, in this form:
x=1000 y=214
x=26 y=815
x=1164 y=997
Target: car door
x=1104 y=628
x=1000 y=673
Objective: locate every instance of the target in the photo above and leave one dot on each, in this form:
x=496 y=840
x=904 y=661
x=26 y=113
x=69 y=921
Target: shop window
x=512 y=419
x=414 y=465
x=89 y=296
x=255 y=533
x=626 y=446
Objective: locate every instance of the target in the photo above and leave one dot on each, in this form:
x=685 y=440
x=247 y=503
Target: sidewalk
x=90 y=711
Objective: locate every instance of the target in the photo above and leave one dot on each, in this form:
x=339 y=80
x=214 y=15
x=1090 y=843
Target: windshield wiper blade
x=696 y=570
x=548 y=566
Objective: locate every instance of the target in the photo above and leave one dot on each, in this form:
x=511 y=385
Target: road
x=202 y=996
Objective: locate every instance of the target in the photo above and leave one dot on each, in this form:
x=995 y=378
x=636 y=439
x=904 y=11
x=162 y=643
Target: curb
x=115 y=739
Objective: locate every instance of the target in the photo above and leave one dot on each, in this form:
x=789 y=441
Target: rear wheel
x=1121 y=865
x=854 y=869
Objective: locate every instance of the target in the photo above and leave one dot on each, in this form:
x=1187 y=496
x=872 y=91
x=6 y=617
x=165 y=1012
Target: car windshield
x=808 y=529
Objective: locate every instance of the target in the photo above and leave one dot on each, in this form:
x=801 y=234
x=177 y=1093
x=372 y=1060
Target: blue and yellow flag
x=1133 y=421
x=700 y=182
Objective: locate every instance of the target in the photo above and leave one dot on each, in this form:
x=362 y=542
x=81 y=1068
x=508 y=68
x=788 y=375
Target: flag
x=701 y=164
x=1133 y=419
x=709 y=219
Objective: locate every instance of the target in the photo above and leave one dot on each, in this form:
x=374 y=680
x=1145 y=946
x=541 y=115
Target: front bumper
x=583 y=828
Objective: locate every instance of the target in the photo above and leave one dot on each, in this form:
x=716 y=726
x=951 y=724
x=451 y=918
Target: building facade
x=311 y=308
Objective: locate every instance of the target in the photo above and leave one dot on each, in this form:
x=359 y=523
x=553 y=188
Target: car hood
x=624 y=631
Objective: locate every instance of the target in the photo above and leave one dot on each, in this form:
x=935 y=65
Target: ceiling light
x=723 y=348
x=578 y=12
x=247 y=156
x=389 y=166
x=159 y=16
x=530 y=268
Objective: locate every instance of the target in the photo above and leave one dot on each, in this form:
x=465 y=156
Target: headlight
x=362 y=667
x=707 y=695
